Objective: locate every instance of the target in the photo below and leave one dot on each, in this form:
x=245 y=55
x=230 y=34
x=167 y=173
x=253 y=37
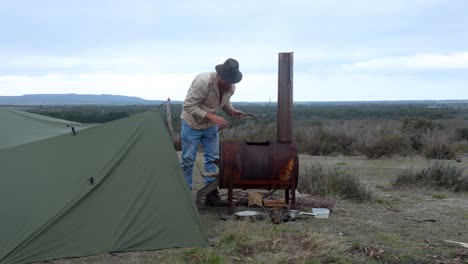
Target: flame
x=286 y=172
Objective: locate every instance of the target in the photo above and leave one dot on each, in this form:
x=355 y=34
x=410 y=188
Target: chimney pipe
x=285 y=97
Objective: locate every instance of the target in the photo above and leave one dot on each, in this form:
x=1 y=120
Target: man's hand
x=237 y=114
x=216 y=119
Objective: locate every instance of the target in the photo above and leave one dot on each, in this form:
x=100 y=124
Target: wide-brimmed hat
x=229 y=71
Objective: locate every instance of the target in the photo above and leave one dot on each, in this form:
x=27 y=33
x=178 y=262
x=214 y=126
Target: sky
x=354 y=50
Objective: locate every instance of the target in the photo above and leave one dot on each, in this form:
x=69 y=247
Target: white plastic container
x=321 y=212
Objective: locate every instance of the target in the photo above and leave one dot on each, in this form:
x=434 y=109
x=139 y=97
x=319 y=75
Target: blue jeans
x=191 y=139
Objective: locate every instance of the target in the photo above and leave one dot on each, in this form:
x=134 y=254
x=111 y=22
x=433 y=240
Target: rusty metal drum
x=258 y=165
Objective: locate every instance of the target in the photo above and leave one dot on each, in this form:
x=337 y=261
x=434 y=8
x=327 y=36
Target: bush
x=250 y=131
x=325 y=140
x=322 y=142
x=385 y=146
x=438 y=174
x=438 y=145
x=420 y=124
x=460 y=147
x=386 y=140
x=415 y=128
x=416 y=142
x=462 y=133
x=318 y=180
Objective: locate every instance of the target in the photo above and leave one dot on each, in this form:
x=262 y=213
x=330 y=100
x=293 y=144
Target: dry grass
x=373 y=139
x=382 y=140
x=402 y=226
x=438 y=174
x=320 y=180
x=262 y=242
x=438 y=145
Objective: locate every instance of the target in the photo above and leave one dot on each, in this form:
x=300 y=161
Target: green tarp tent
x=110 y=188
x=19 y=127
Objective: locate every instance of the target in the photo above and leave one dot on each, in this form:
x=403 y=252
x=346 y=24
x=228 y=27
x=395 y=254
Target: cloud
x=83 y=64
x=148 y=86
x=453 y=61
x=254 y=87
x=343 y=50
x=253 y=59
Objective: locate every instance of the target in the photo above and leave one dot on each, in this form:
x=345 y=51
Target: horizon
x=359 y=50
x=296 y=101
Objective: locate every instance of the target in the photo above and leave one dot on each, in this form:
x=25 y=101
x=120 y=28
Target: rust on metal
x=285 y=97
x=286 y=172
x=269 y=165
x=265 y=165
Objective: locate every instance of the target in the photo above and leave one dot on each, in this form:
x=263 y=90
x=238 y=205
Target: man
x=208 y=93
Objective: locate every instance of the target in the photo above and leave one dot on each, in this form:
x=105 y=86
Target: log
x=274 y=203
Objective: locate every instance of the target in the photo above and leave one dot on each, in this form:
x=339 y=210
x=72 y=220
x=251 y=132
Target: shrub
x=438 y=145
x=437 y=174
x=250 y=131
x=322 y=142
x=420 y=124
x=385 y=140
x=440 y=196
x=462 y=133
x=318 y=180
x=460 y=147
x=415 y=128
x=301 y=137
x=385 y=146
x=406 y=177
x=416 y=142
x=325 y=140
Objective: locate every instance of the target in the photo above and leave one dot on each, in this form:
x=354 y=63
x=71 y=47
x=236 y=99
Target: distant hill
x=109 y=99
x=390 y=102
x=74 y=99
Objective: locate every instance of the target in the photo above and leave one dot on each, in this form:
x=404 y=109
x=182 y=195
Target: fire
x=286 y=172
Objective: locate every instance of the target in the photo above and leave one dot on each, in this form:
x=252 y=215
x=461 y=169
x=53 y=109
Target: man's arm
x=230 y=110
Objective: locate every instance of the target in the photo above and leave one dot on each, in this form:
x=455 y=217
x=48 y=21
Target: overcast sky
x=343 y=50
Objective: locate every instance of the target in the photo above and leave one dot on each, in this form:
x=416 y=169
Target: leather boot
x=213 y=199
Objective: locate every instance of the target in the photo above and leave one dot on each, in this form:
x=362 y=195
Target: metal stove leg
x=230 y=200
x=293 y=194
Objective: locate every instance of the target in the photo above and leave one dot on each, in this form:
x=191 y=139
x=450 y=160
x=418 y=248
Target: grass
x=320 y=180
x=389 y=237
x=440 y=196
x=201 y=255
x=437 y=174
x=389 y=201
x=391 y=229
x=465 y=215
x=262 y=242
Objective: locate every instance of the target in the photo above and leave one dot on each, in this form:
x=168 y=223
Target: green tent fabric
x=19 y=127
x=113 y=187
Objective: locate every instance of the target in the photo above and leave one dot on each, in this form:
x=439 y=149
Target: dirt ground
x=398 y=226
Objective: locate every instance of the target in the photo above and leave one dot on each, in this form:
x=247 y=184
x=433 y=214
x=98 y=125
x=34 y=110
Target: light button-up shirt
x=203 y=97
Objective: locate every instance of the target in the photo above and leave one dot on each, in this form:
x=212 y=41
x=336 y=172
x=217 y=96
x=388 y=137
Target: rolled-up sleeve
x=197 y=93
